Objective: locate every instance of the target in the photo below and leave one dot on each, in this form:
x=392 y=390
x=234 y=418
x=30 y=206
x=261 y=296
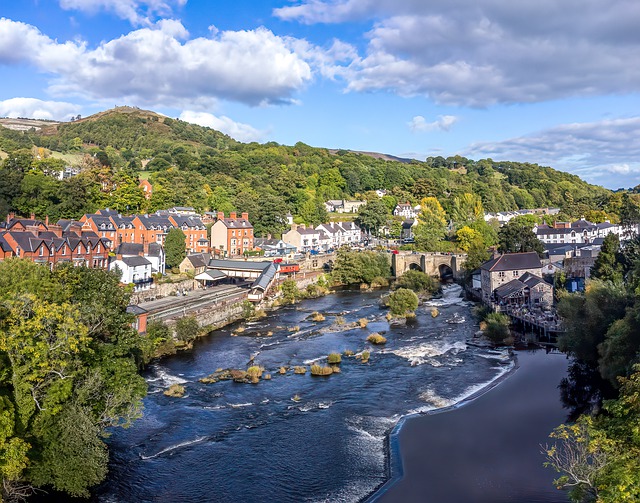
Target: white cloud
x=604 y=152
x=138 y=12
x=443 y=122
x=153 y=67
x=487 y=51
x=33 y=108
x=239 y=131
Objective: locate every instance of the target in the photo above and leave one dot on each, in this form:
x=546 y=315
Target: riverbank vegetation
x=598 y=457
x=356 y=267
x=402 y=302
x=69 y=361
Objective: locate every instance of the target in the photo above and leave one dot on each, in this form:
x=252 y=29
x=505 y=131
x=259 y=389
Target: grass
x=376 y=339
x=175 y=391
x=334 y=358
x=319 y=370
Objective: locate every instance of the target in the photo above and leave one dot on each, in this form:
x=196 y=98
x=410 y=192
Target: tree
x=416 y=281
x=468 y=238
x=175 y=247
x=187 y=328
x=372 y=216
x=432 y=224
x=402 y=301
x=606 y=266
x=517 y=237
x=467 y=208
x=68 y=370
x=359 y=267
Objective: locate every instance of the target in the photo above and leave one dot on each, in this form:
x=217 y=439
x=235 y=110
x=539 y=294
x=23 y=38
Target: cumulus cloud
x=239 y=131
x=151 y=66
x=419 y=124
x=138 y=12
x=485 y=52
x=33 y=108
x=604 y=152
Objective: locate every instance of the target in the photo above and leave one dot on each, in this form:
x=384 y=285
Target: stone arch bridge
x=443 y=265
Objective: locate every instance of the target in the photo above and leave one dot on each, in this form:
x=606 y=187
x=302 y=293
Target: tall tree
x=372 y=216
x=432 y=224
x=607 y=266
x=174 y=247
x=517 y=237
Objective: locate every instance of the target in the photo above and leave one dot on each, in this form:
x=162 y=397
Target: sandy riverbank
x=486 y=451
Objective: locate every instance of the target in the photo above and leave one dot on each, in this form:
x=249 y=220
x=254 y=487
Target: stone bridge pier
x=441 y=265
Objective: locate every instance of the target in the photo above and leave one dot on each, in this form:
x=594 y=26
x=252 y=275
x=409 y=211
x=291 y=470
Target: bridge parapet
x=431 y=263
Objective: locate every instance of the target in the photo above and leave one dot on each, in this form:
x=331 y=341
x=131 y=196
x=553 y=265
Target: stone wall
x=157 y=291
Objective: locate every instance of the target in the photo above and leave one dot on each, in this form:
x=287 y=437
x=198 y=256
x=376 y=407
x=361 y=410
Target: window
x=98 y=248
x=41 y=252
x=501 y=274
x=516 y=273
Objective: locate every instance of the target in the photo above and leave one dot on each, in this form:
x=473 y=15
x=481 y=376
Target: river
x=231 y=442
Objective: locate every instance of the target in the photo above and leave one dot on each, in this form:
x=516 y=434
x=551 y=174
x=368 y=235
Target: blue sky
x=555 y=83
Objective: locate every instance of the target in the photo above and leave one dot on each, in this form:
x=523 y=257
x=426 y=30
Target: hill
x=200 y=167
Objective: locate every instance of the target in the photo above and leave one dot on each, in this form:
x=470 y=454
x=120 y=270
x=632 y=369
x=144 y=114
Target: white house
x=406 y=210
x=153 y=252
x=136 y=270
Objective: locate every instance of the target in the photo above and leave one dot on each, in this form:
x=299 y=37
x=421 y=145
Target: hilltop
x=191 y=165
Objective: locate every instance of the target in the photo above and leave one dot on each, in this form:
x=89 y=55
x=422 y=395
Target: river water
x=231 y=442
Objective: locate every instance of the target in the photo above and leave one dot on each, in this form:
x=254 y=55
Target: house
x=134 y=270
x=100 y=224
x=232 y=236
x=140 y=324
x=273 y=247
x=529 y=289
x=195 y=232
x=304 y=238
x=343 y=206
x=504 y=268
x=183 y=210
x=339 y=234
x=196 y=263
x=406 y=210
x=153 y=252
x=578 y=232
x=551 y=268
x=50 y=244
x=147 y=188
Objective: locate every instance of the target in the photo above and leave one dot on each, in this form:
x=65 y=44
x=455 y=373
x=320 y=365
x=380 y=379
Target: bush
x=402 y=301
x=295 y=328
x=290 y=291
x=319 y=370
x=376 y=339
x=248 y=310
x=334 y=358
x=497 y=329
x=416 y=281
x=365 y=356
x=187 y=329
x=379 y=282
x=255 y=371
x=316 y=316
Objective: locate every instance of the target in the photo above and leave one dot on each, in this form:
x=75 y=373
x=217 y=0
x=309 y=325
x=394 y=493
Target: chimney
x=46 y=221
x=220 y=215
x=233 y=215
x=56 y=229
x=33 y=216
x=245 y=215
x=145 y=248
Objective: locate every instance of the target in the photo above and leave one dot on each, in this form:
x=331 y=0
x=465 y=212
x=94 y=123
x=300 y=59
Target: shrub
x=290 y=291
x=255 y=371
x=497 y=329
x=376 y=339
x=402 y=301
x=175 y=391
x=319 y=370
x=316 y=316
x=299 y=370
x=379 y=282
x=248 y=310
x=187 y=328
x=416 y=281
x=364 y=356
x=334 y=358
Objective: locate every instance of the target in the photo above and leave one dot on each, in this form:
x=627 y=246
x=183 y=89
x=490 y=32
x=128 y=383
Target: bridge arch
x=415 y=267
x=445 y=272
x=442 y=265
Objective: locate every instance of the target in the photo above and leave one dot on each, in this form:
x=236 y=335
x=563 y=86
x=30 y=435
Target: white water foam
x=425 y=352
x=163 y=378
x=450 y=297
x=240 y=405
x=173 y=448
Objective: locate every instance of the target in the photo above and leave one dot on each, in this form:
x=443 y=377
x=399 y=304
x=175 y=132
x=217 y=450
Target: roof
x=513 y=286
x=130 y=249
x=266 y=277
x=136 y=261
x=532 y=280
x=199 y=259
x=513 y=262
x=239 y=265
x=210 y=275
x=133 y=309
x=236 y=223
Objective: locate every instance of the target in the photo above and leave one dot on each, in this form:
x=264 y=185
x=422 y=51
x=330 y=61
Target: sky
x=543 y=81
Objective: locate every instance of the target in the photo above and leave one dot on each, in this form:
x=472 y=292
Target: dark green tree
x=607 y=266
x=517 y=236
x=175 y=248
x=372 y=216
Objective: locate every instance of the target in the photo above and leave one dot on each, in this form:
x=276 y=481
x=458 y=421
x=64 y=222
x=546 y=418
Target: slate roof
x=265 y=278
x=133 y=309
x=122 y=222
x=131 y=249
x=211 y=275
x=188 y=221
x=513 y=262
x=135 y=261
x=240 y=265
x=532 y=280
x=236 y=223
x=199 y=259
x=513 y=286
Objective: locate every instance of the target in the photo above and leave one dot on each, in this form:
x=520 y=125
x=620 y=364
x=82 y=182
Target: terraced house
x=232 y=236
x=51 y=244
